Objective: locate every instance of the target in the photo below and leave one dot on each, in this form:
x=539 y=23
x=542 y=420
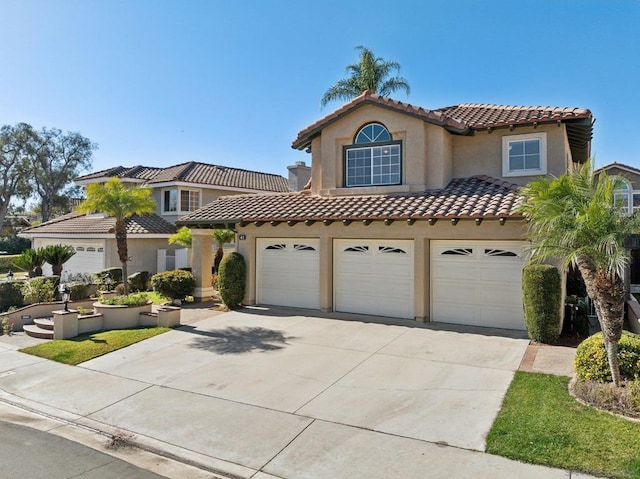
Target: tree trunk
x=123 y=253
x=218 y=259
x=607 y=293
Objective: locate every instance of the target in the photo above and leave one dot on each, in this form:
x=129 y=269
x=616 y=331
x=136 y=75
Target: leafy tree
x=57 y=255
x=15 y=147
x=221 y=236
x=574 y=219
x=121 y=203
x=369 y=74
x=57 y=159
x=181 y=237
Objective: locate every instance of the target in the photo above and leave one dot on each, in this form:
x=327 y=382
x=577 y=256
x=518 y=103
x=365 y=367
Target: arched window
x=622 y=197
x=374 y=159
x=372 y=133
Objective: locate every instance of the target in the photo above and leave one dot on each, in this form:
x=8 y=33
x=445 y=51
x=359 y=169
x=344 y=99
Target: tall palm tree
x=575 y=219
x=369 y=74
x=120 y=202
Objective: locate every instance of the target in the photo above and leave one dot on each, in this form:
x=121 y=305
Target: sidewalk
x=187 y=432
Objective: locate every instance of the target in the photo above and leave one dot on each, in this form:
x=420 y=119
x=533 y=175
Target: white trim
x=542 y=136
x=179 y=191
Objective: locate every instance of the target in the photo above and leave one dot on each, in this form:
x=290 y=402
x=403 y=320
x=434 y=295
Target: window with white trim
x=374 y=159
x=180 y=201
x=627 y=198
x=524 y=155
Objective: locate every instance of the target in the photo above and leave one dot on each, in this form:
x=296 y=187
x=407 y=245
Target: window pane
x=516 y=148
x=532 y=147
x=171 y=200
x=532 y=162
x=372 y=133
x=516 y=163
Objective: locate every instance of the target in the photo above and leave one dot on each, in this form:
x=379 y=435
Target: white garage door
x=89 y=258
x=374 y=277
x=288 y=272
x=477 y=283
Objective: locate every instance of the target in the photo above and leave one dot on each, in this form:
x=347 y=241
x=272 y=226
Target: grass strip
x=540 y=423
x=88 y=346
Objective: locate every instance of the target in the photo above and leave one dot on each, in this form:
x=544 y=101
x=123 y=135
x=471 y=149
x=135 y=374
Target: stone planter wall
x=120 y=317
x=27 y=314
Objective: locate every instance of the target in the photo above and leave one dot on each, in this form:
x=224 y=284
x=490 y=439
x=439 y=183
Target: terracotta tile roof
x=197 y=173
x=80 y=224
x=466 y=118
x=475 y=197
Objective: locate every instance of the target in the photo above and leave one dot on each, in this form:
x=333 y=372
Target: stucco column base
x=65 y=324
x=203 y=294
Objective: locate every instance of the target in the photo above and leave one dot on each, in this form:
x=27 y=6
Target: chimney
x=299 y=175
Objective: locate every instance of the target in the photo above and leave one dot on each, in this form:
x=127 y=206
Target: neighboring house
x=176 y=189
x=629 y=199
x=410 y=212
x=13 y=225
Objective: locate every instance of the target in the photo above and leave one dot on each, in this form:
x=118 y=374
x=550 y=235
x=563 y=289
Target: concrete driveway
x=283 y=393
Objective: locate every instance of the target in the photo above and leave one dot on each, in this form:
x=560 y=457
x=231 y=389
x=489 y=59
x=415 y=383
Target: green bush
x=135 y=299
x=138 y=281
x=14 y=244
x=114 y=273
x=78 y=291
x=232 y=277
x=11 y=295
x=174 y=284
x=39 y=290
x=541 y=296
x=591 y=362
x=6 y=263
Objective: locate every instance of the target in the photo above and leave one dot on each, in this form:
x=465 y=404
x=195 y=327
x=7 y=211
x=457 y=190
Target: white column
x=202 y=262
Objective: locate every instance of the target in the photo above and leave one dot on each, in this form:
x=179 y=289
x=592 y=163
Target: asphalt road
x=27 y=453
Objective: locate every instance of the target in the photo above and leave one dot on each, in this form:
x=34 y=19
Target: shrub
x=39 y=290
x=14 y=244
x=541 y=296
x=6 y=263
x=591 y=362
x=214 y=281
x=135 y=299
x=174 y=284
x=138 y=281
x=78 y=290
x=232 y=277
x=114 y=273
x=11 y=295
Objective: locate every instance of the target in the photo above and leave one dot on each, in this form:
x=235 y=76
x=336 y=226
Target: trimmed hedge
x=11 y=295
x=174 y=284
x=78 y=291
x=541 y=296
x=6 y=263
x=138 y=281
x=591 y=363
x=232 y=278
x=116 y=277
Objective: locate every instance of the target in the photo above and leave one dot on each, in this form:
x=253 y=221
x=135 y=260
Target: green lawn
x=540 y=423
x=89 y=346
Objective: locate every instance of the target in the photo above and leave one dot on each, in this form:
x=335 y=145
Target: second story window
x=180 y=201
x=627 y=198
x=374 y=159
x=524 y=155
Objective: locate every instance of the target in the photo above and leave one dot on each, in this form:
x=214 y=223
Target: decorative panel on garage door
x=288 y=272
x=374 y=277
x=477 y=283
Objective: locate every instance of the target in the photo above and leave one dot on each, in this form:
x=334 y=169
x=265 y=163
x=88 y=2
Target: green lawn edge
x=541 y=423
x=88 y=346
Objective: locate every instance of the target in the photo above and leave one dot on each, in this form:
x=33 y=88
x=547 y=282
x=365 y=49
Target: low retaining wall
x=27 y=314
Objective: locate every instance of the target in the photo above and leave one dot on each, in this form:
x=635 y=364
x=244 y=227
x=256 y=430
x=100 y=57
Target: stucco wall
x=633 y=178
x=431 y=156
x=142 y=251
x=420 y=232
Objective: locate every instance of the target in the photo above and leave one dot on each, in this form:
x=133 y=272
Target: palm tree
x=575 y=219
x=57 y=255
x=121 y=203
x=369 y=74
x=30 y=261
x=221 y=236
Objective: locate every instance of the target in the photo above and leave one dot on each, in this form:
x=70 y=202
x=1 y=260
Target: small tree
x=57 y=255
x=221 y=236
x=232 y=279
x=30 y=261
x=541 y=297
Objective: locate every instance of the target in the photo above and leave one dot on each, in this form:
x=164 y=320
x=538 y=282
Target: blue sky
x=232 y=82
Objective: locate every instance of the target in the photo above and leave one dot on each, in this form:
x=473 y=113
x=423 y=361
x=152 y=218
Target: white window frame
x=507 y=140
x=179 y=209
x=627 y=194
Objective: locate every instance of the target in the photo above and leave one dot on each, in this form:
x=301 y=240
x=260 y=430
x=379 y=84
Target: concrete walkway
x=264 y=393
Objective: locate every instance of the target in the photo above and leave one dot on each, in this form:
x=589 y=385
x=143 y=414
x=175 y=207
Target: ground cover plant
x=134 y=299
x=541 y=423
x=88 y=346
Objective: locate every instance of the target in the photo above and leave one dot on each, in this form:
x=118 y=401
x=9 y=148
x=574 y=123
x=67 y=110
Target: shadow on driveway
x=234 y=340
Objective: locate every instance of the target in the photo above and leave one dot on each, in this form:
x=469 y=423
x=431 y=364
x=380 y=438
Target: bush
x=14 y=244
x=39 y=290
x=174 y=284
x=11 y=295
x=591 y=362
x=114 y=273
x=135 y=299
x=541 y=296
x=78 y=291
x=138 y=281
x=6 y=263
x=232 y=276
